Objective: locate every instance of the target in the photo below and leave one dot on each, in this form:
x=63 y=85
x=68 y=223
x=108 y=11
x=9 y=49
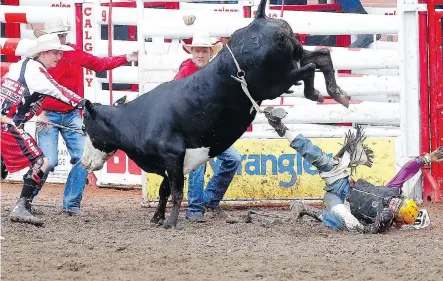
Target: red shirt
x=68 y=73
x=187 y=68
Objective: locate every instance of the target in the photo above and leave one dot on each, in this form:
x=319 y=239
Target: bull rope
x=241 y=79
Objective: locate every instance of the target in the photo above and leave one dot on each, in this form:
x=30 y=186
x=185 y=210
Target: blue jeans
x=355 y=7
x=48 y=143
x=198 y=198
x=337 y=192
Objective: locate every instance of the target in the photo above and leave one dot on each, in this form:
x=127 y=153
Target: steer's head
x=95 y=155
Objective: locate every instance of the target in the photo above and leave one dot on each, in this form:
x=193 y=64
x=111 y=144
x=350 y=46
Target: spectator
x=200 y=200
x=355 y=7
x=68 y=73
x=23 y=89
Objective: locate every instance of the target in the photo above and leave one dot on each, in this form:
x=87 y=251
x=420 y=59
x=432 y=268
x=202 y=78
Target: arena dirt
x=114 y=241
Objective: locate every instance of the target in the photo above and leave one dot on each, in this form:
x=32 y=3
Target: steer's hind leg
x=164 y=193
x=322 y=60
x=292 y=77
x=308 y=79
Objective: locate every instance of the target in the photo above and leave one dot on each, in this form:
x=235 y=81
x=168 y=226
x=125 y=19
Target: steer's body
x=181 y=124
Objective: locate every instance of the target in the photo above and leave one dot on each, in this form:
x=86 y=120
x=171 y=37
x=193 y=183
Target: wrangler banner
x=271 y=169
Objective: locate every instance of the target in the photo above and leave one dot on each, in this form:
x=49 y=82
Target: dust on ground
x=115 y=241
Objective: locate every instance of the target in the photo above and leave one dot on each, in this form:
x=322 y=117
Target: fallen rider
x=373 y=209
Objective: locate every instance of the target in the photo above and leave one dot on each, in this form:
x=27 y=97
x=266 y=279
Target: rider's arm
x=413 y=166
x=381 y=223
x=40 y=81
x=406 y=172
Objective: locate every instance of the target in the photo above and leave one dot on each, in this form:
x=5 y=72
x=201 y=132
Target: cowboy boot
x=274 y=116
x=22 y=213
x=298 y=210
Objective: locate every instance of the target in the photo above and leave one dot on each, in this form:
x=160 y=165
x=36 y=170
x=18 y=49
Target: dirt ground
x=114 y=241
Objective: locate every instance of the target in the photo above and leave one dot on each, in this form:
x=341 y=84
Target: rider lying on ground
x=373 y=209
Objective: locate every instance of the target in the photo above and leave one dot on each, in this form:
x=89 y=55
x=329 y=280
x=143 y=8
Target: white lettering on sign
x=88 y=46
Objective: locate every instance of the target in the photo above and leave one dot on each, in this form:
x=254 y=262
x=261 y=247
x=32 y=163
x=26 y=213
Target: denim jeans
x=198 y=198
x=47 y=140
x=355 y=7
x=337 y=192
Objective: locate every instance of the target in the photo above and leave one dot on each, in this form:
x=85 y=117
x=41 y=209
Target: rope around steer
x=241 y=79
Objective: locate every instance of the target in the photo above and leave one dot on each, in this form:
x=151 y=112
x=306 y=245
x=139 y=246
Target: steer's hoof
x=314 y=95
x=340 y=96
x=158 y=218
x=343 y=100
x=168 y=225
x=157 y=224
x=157 y=221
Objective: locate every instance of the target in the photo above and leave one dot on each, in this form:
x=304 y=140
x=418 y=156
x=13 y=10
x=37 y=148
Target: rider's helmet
x=405 y=210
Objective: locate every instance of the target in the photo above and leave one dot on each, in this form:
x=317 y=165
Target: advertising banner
x=272 y=169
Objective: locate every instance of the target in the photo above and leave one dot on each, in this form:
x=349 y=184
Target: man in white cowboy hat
x=200 y=200
x=23 y=89
x=202 y=50
x=68 y=73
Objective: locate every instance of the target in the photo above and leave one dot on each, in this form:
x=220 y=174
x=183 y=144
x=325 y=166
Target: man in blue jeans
x=68 y=73
x=200 y=199
x=355 y=7
x=47 y=138
x=203 y=50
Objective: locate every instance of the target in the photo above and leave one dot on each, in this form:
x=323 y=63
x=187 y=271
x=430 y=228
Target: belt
x=61 y=112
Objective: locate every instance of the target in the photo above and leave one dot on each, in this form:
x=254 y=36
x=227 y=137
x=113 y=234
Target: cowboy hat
x=57 y=26
x=47 y=42
x=202 y=39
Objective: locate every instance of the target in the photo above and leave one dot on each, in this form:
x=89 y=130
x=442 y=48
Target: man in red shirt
x=200 y=200
x=68 y=74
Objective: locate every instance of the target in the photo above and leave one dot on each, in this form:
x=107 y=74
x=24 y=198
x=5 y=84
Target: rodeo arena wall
x=391 y=85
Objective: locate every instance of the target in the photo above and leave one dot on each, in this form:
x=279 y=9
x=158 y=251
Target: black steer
x=182 y=124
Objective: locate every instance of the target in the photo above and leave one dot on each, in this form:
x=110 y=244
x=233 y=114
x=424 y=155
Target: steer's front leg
x=174 y=169
x=322 y=60
x=164 y=193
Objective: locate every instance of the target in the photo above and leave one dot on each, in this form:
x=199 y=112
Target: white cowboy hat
x=202 y=39
x=47 y=42
x=57 y=26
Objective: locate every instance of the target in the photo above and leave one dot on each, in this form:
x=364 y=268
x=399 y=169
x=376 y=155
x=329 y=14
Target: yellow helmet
x=408 y=211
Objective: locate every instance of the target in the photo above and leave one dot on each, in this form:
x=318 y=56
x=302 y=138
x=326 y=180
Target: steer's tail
x=261 y=10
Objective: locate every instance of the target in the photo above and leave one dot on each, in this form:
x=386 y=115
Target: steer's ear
x=90 y=108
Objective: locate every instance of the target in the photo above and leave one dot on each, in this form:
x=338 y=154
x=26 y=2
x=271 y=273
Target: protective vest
x=366 y=200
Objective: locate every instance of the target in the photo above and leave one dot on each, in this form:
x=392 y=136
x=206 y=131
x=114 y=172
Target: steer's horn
x=120 y=101
x=261 y=10
x=90 y=108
